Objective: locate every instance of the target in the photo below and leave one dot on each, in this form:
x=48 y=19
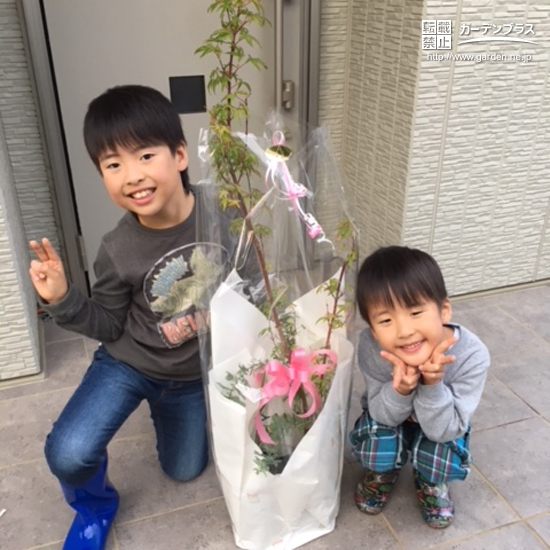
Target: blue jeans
x=109 y=392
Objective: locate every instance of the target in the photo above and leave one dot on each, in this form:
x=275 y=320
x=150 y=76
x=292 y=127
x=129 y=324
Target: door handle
x=284 y=89
x=288 y=94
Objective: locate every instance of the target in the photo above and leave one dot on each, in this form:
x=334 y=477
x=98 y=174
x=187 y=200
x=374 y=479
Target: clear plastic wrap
x=278 y=360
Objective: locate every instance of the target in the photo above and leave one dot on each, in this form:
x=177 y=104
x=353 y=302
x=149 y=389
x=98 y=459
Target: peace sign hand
x=433 y=370
x=405 y=377
x=47 y=273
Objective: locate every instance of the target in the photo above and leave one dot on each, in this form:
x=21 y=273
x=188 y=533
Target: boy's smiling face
x=411 y=334
x=147 y=182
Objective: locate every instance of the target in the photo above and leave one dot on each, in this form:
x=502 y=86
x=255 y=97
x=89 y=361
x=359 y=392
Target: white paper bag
x=286 y=510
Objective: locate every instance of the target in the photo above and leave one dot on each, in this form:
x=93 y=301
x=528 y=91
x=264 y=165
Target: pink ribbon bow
x=289 y=380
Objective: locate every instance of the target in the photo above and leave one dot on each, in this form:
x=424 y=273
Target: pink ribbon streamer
x=288 y=381
x=293 y=191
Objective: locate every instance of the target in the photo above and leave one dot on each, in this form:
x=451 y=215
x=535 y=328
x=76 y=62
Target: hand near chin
x=405 y=377
x=433 y=370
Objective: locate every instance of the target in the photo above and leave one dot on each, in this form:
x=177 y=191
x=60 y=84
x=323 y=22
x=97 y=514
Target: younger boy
x=424 y=404
x=144 y=309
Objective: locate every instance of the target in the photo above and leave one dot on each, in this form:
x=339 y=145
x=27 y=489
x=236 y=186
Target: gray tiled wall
x=26 y=209
x=380 y=61
x=332 y=77
x=479 y=184
x=451 y=157
x=19 y=348
x=18 y=108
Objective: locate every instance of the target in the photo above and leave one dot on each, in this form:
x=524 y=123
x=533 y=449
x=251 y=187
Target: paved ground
x=504 y=504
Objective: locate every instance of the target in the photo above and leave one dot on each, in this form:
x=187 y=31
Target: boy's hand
x=47 y=273
x=405 y=377
x=434 y=369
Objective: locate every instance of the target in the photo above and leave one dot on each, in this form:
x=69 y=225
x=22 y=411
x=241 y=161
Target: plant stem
x=335 y=306
x=265 y=275
x=236 y=16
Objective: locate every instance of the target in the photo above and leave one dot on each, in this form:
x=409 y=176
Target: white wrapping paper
x=286 y=510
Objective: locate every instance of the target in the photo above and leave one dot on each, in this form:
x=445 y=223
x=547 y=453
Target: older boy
x=424 y=404
x=139 y=310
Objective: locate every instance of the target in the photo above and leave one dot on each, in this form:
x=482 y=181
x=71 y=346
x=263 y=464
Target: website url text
x=478 y=58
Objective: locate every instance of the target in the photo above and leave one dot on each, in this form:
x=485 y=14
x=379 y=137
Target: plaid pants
x=382 y=448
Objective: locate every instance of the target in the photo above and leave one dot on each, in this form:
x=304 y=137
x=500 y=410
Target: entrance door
x=96 y=45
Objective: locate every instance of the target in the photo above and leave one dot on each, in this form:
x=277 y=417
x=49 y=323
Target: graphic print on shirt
x=177 y=290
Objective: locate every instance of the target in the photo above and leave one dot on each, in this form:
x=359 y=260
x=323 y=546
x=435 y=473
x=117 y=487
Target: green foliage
x=236 y=167
x=232 y=160
x=323 y=383
x=279 y=427
x=285 y=429
x=335 y=288
x=346 y=242
x=242 y=376
x=234 y=164
x=228 y=45
x=286 y=324
x=268 y=460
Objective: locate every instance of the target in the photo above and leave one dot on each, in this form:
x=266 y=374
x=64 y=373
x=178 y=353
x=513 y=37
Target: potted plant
x=277 y=369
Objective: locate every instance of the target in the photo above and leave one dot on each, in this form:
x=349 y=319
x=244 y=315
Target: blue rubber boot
x=96 y=504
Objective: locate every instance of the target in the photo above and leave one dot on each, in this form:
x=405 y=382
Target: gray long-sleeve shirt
x=148 y=303
x=443 y=410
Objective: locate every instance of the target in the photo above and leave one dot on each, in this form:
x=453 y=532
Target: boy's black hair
x=398 y=273
x=132 y=116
